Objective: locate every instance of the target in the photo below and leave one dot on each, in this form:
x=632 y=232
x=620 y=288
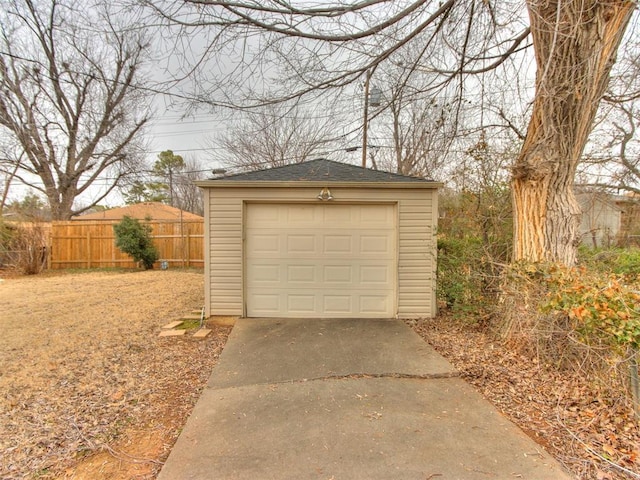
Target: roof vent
x=218 y=172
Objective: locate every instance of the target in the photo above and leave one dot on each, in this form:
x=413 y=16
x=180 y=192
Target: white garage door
x=320 y=260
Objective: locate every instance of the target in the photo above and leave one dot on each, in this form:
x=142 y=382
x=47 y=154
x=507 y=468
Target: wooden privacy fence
x=91 y=244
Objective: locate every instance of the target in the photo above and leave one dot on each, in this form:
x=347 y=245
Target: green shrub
x=460 y=282
x=619 y=261
x=134 y=239
x=602 y=308
x=474 y=242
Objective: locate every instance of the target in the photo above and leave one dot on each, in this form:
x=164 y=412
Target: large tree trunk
x=575 y=42
x=60 y=200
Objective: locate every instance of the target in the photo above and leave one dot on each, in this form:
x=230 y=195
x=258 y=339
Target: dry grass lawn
x=89 y=390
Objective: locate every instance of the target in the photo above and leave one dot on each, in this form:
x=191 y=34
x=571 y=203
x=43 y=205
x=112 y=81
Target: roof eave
x=304 y=184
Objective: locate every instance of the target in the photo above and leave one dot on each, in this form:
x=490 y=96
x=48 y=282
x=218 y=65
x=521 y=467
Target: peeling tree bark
x=575 y=43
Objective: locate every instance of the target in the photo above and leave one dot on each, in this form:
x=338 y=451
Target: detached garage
x=320 y=239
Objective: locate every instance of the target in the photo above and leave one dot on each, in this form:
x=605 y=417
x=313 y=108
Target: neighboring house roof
x=155 y=210
x=317 y=171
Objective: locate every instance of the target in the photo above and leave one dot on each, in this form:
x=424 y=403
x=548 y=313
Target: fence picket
x=88 y=244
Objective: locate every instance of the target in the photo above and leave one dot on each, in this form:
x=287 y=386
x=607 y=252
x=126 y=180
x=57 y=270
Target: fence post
x=188 y=247
x=182 y=249
x=49 y=247
x=88 y=248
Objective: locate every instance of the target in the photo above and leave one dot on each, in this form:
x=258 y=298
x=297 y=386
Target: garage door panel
x=297 y=243
x=266 y=273
x=375 y=275
x=299 y=214
x=374 y=304
x=339 y=215
x=266 y=304
x=320 y=260
x=264 y=243
x=301 y=273
x=275 y=274
x=313 y=304
x=342 y=244
x=374 y=244
x=337 y=304
x=371 y=217
x=262 y=215
x=332 y=274
x=301 y=303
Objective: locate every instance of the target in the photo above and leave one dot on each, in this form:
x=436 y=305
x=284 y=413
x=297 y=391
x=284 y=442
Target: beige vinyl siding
x=417 y=214
x=416 y=254
x=225 y=252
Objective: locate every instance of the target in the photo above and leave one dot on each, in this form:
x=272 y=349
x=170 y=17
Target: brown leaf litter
x=587 y=427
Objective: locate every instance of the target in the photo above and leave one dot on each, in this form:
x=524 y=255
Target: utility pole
x=365 y=126
x=374 y=103
x=171 y=186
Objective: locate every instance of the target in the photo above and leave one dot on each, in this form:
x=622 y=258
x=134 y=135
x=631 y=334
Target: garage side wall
x=417 y=217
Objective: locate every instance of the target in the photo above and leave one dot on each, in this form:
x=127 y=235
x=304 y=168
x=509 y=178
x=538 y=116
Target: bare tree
x=69 y=98
x=575 y=44
x=187 y=195
x=272 y=136
x=171 y=181
x=421 y=132
x=612 y=162
x=9 y=169
x=625 y=82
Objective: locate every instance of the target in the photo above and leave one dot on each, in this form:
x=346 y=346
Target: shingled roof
x=155 y=210
x=320 y=170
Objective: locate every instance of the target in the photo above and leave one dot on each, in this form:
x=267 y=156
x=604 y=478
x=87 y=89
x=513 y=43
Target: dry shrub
x=522 y=325
x=474 y=243
x=533 y=323
x=24 y=247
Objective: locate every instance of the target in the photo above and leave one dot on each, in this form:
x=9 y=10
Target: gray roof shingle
x=320 y=170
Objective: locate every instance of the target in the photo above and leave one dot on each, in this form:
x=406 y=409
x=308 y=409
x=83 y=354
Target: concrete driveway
x=344 y=400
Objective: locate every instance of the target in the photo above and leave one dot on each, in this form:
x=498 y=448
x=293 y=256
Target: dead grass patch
x=89 y=389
